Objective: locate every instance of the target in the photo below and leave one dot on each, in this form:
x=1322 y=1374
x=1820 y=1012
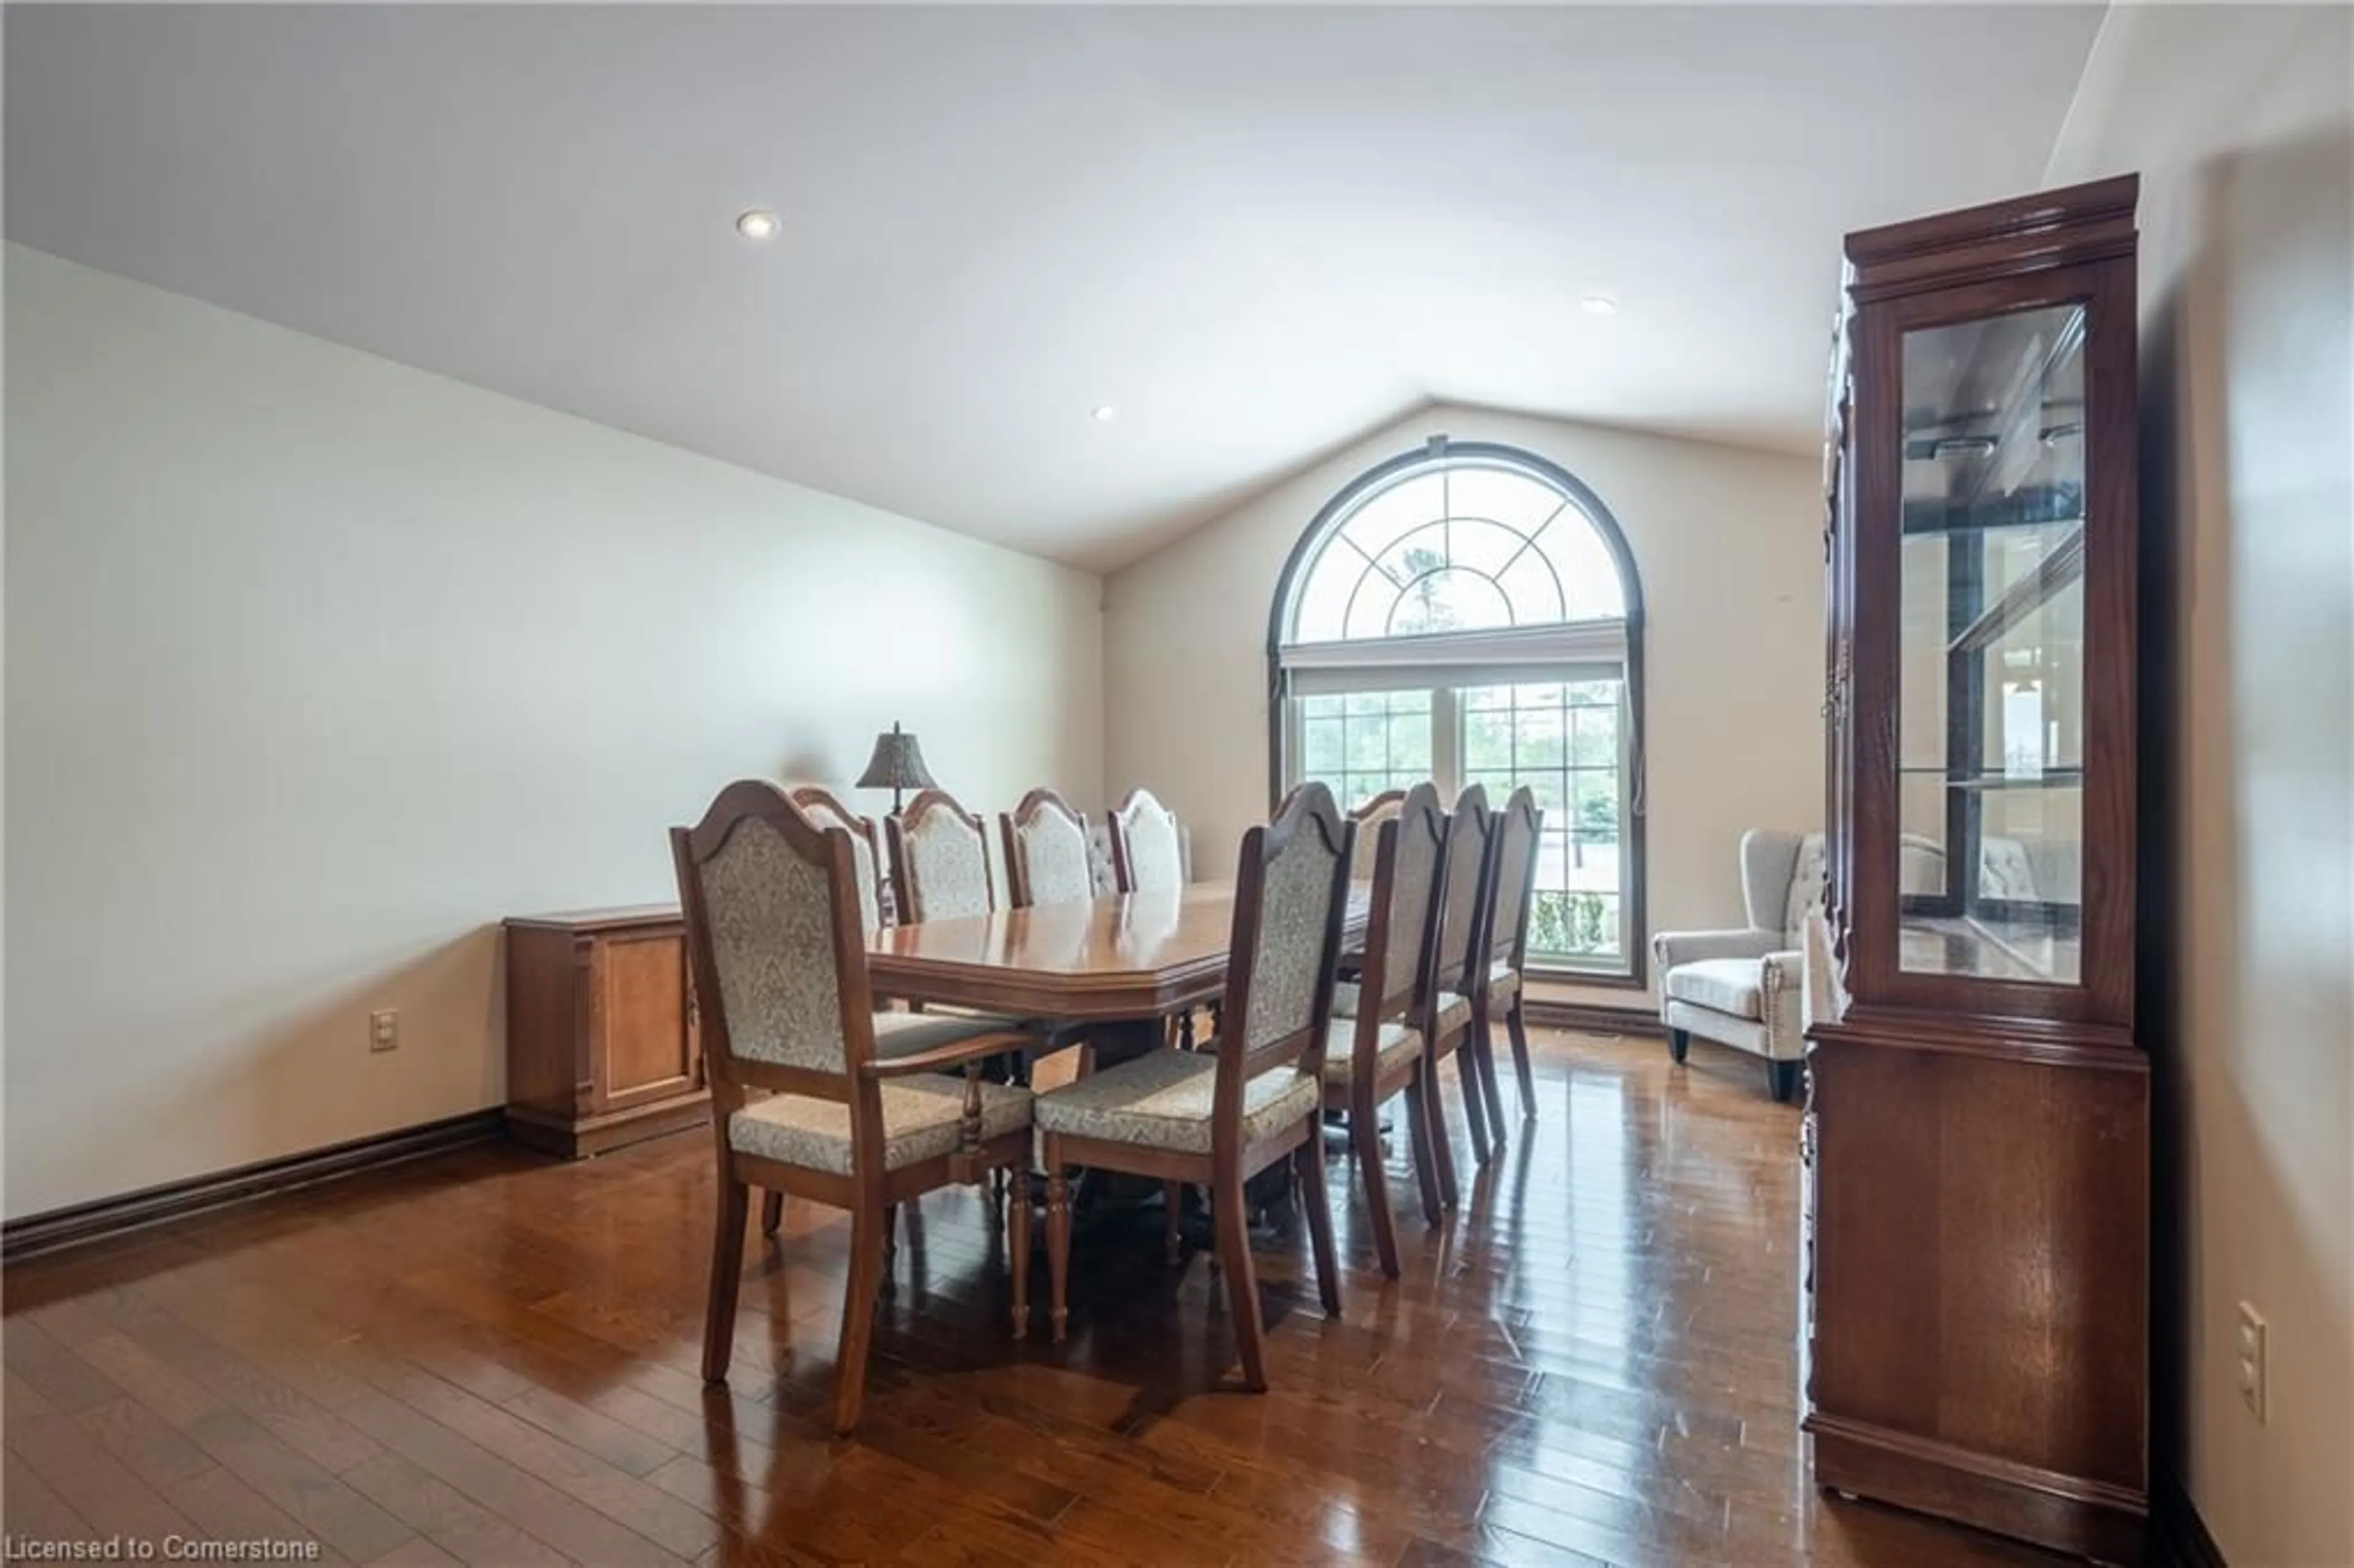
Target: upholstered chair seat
x=904 y=1033
x=921 y=1120
x=1734 y=986
x=1395 y=1045
x=1163 y=1101
x=1454 y=1008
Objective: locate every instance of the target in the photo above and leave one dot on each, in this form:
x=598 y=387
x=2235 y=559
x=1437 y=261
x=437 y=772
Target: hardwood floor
x=490 y=1358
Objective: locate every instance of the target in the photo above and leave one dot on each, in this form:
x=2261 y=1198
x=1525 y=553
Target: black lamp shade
x=897 y=764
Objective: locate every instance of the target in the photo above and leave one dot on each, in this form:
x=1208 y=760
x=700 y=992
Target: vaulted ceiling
x=1254 y=233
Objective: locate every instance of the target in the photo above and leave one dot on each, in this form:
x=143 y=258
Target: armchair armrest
x=956 y=1053
x=1782 y=984
x=1672 y=947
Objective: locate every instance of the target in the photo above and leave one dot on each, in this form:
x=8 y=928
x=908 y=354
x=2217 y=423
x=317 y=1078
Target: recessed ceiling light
x=1103 y=414
x=1599 y=305
x=757 y=224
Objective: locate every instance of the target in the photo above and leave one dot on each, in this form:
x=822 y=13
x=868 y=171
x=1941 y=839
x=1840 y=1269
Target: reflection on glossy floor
x=491 y=1358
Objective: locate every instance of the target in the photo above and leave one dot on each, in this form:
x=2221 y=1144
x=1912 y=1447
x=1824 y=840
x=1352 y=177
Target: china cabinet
x=1978 y=1134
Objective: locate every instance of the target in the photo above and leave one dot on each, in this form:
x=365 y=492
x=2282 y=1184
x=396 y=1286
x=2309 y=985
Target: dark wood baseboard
x=2087 y=1519
x=2178 y=1537
x=86 y=1223
x=1590 y=1019
x=585 y=1137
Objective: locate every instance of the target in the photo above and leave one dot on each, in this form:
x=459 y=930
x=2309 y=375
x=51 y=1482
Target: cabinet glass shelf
x=2053 y=778
x=1990 y=766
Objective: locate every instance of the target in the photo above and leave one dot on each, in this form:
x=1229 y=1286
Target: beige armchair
x=1742 y=987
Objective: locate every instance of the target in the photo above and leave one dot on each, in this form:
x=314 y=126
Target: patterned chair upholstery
x=827 y=810
x=1742 y=987
x=1162 y=1100
x=939 y=860
x=1046 y=851
x=1148 y=845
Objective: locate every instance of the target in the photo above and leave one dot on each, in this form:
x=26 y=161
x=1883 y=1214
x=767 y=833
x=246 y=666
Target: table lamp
x=898 y=764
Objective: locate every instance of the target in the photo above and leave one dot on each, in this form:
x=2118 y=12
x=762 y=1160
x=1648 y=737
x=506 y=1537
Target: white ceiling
x=1257 y=232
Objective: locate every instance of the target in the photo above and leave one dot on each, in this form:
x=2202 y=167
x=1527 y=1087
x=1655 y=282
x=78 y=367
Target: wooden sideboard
x=602 y=1048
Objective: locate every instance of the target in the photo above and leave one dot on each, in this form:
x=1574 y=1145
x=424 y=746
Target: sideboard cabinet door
x=602 y=1043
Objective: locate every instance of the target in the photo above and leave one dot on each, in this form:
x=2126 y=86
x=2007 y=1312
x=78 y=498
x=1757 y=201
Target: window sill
x=1601 y=979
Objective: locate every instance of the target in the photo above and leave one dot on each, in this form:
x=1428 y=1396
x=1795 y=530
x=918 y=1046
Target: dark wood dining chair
x=939 y=859
x=1369 y=814
x=773 y=931
x=897 y=1032
x=827 y=809
x=1496 y=985
x=1376 y=1050
x=1460 y=954
x=1045 y=845
x=1219 y=1116
x=1148 y=853
x=1148 y=850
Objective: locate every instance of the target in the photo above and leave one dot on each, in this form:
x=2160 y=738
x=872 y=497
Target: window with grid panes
x=1468 y=614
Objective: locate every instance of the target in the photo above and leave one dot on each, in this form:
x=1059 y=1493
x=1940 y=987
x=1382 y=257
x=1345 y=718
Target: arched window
x=1469 y=613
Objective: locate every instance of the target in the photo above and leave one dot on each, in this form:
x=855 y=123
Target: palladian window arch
x=1470 y=613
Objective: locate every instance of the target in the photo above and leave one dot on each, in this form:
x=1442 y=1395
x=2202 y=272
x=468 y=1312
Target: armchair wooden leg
x=1307 y=1162
x=727 y=1276
x=1516 y=1025
x=1058 y=1239
x=1678 y=1044
x=1017 y=1248
x=857 y=1315
x=1233 y=1220
x=1783 y=1078
x=772 y=1214
x=1365 y=1144
x=1425 y=1158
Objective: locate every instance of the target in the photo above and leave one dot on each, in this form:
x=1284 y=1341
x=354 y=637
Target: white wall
x=317 y=666
x=2241 y=119
x=1729 y=544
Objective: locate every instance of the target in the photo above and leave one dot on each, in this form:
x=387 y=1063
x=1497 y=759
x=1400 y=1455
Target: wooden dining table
x=1110 y=970
x=1121 y=963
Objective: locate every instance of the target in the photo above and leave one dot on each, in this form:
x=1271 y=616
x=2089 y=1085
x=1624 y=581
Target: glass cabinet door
x=1991 y=684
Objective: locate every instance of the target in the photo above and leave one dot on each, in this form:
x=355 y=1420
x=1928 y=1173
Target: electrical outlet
x=2253 y=1374
x=384 y=1031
